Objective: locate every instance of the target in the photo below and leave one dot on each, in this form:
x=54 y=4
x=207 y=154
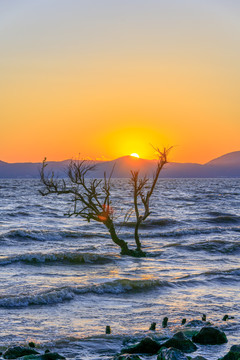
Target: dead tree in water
x=92 y=198
x=142 y=195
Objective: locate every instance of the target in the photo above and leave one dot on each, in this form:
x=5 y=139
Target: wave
x=152 y=223
x=223 y=219
x=62 y=258
x=45 y=235
x=214 y=246
x=59 y=295
x=184 y=232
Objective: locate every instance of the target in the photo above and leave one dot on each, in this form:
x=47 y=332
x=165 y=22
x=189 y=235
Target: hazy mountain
x=227 y=165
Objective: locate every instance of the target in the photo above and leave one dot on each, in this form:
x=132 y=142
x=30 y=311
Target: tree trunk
x=137 y=240
x=123 y=245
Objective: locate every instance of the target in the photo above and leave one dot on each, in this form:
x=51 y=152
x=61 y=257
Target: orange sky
x=106 y=79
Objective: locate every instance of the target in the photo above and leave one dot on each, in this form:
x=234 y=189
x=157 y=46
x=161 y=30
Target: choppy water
x=62 y=280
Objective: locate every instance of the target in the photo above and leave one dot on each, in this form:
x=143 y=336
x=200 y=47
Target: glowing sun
x=135 y=155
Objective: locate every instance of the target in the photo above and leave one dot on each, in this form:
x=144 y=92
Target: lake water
x=62 y=279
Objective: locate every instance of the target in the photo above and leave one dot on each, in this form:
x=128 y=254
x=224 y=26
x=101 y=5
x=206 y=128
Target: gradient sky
x=105 y=78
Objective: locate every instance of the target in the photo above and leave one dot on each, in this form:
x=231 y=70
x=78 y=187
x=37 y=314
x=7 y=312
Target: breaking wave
x=45 y=235
x=59 y=295
x=62 y=258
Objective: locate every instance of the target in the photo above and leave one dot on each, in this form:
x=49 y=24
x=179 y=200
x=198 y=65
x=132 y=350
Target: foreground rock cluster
x=180 y=346
x=176 y=348
x=29 y=353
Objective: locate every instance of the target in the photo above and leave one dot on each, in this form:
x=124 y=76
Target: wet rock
x=181 y=342
x=52 y=356
x=31 y=344
x=146 y=346
x=171 y=354
x=127 y=357
x=184 y=321
x=227 y=317
x=46 y=356
x=204 y=317
x=108 y=330
x=199 y=358
x=153 y=326
x=18 y=351
x=210 y=336
x=164 y=322
x=233 y=354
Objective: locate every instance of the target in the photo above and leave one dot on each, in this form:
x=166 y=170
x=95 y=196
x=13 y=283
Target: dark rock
x=153 y=326
x=233 y=354
x=226 y=317
x=146 y=346
x=108 y=330
x=18 y=351
x=127 y=357
x=204 y=317
x=31 y=344
x=46 y=356
x=184 y=321
x=199 y=358
x=47 y=351
x=171 y=354
x=181 y=342
x=210 y=336
x=52 y=356
x=164 y=322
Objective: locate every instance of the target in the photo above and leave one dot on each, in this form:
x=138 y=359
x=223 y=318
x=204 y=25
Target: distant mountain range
x=227 y=165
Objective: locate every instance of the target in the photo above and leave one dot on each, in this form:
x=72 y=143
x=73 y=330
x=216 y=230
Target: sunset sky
x=106 y=78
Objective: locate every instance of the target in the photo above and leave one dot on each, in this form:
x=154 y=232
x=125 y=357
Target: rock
x=199 y=358
x=227 y=317
x=181 y=342
x=233 y=354
x=171 y=354
x=153 y=326
x=52 y=356
x=210 y=336
x=164 y=322
x=127 y=357
x=204 y=317
x=146 y=346
x=184 y=321
x=108 y=330
x=18 y=351
x=45 y=356
x=31 y=344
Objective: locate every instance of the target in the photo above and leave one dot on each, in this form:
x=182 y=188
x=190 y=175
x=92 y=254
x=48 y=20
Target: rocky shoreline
x=181 y=346
x=182 y=343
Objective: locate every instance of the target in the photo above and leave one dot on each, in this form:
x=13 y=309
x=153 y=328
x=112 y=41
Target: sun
x=135 y=155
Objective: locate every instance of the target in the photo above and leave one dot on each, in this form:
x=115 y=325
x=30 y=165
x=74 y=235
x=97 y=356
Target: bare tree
x=142 y=192
x=91 y=198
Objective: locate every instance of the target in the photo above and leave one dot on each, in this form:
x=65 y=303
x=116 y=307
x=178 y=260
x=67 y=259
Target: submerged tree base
x=134 y=253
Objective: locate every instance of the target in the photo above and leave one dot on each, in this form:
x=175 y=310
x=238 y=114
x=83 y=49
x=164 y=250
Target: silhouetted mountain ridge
x=227 y=165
